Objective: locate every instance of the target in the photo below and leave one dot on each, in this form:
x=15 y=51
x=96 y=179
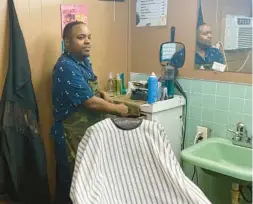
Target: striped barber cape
x=115 y=166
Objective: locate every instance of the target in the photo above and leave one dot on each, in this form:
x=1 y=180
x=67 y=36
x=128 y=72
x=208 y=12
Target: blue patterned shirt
x=70 y=85
x=211 y=55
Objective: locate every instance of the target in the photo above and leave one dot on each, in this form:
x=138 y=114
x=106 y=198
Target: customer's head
x=204 y=36
x=77 y=39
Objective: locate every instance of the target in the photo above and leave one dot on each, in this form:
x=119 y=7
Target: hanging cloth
x=200 y=15
x=22 y=152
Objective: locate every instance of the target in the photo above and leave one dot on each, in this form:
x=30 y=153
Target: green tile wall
x=219 y=106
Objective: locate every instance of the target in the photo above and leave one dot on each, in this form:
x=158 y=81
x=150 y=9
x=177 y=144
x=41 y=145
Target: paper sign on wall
x=73 y=12
x=151 y=12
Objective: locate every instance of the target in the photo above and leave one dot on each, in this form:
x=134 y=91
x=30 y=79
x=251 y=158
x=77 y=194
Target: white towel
x=115 y=166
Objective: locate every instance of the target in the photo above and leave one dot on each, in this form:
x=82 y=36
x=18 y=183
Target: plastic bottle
x=110 y=87
x=152 y=88
x=117 y=86
x=165 y=97
x=169 y=80
x=123 y=89
x=62 y=46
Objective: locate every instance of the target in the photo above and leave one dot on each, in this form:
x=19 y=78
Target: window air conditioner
x=238 y=32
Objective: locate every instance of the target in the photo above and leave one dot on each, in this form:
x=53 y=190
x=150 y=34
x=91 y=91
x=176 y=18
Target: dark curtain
x=23 y=172
x=200 y=15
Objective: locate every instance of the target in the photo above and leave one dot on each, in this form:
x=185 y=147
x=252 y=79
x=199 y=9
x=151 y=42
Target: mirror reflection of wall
x=224 y=35
x=172 y=53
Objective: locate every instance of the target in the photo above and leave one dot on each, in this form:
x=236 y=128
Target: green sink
x=219 y=157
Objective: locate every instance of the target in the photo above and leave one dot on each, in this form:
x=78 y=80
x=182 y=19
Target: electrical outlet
x=204 y=130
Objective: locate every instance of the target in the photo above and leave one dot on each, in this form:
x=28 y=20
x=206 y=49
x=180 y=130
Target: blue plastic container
x=152 y=88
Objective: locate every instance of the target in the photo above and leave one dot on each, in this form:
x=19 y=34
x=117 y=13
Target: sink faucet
x=241 y=137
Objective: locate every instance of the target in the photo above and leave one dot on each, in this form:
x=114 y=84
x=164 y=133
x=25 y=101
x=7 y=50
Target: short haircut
x=68 y=28
x=198 y=27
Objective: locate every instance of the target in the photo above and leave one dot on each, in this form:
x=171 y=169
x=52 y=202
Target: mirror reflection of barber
x=206 y=54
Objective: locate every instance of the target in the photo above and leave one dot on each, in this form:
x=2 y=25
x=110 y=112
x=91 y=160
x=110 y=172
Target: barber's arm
x=79 y=92
x=105 y=96
x=98 y=104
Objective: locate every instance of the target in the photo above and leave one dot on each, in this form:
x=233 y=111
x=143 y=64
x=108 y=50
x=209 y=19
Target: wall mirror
x=224 y=36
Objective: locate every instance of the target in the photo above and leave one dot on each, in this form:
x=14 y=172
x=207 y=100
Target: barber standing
x=77 y=103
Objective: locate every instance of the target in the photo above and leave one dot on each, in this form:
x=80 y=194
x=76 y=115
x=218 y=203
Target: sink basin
x=218 y=156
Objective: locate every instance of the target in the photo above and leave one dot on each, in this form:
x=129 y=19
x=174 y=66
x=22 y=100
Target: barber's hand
x=106 y=97
x=122 y=110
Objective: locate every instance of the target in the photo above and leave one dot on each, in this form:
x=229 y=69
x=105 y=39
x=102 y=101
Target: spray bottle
x=152 y=88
